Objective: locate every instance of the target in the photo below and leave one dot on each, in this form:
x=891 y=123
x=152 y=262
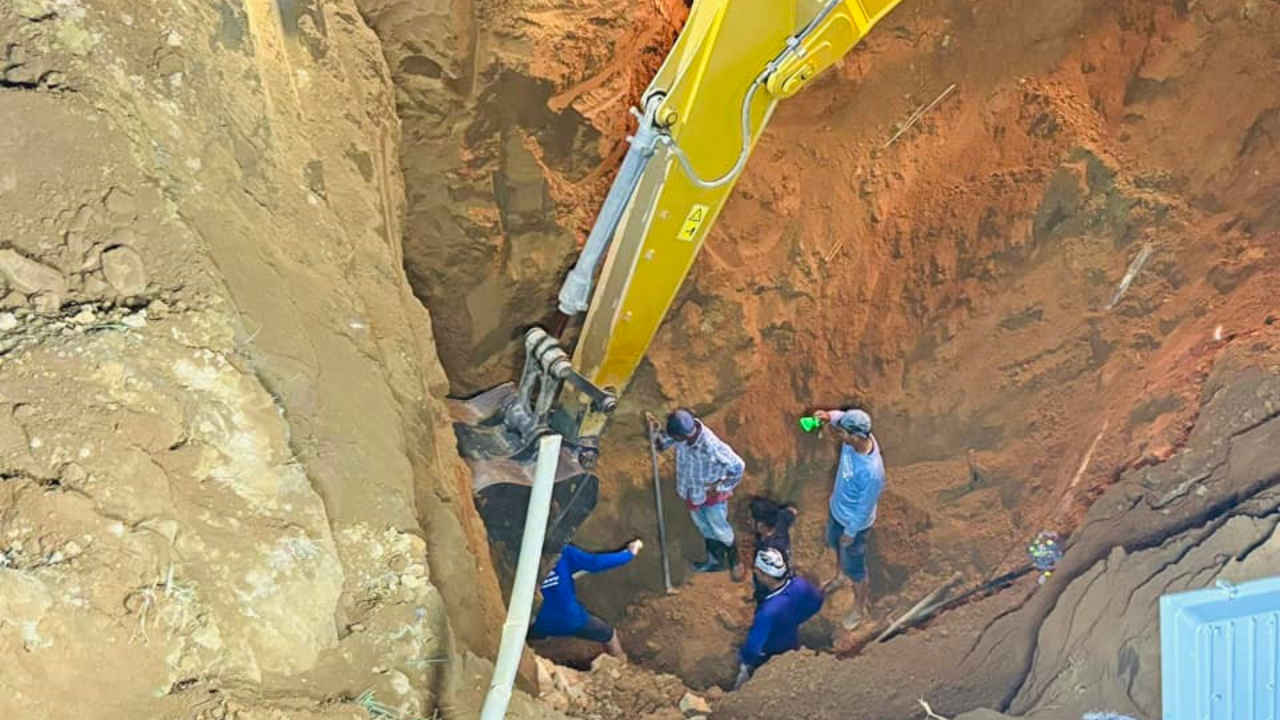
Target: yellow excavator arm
x=699 y=121
x=710 y=102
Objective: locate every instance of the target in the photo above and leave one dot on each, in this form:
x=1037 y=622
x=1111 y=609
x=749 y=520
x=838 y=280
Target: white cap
x=770 y=562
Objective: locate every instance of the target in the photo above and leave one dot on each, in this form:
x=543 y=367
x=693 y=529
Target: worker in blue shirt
x=852 y=510
x=776 y=627
x=562 y=615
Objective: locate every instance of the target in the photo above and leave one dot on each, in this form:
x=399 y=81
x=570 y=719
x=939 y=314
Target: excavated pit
x=957 y=281
x=227 y=486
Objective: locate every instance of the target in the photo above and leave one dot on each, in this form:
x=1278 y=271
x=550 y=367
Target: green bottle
x=809 y=423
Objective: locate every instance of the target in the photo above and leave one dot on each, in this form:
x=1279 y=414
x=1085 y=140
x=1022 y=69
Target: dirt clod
x=119 y=204
x=124 y=270
x=30 y=277
x=692 y=705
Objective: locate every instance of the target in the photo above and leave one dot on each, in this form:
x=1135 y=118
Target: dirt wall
x=227 y=486
x=514 y=116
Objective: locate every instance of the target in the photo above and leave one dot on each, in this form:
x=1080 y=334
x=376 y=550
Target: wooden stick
x=657 y=500
x=921 y=112
x=915 y=610
x=929 y=711
x=833 y=251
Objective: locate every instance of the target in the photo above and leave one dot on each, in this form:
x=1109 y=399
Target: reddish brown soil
x=956 y=283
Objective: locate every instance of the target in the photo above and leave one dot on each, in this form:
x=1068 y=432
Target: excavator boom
x=714 y=95
x=699 y=121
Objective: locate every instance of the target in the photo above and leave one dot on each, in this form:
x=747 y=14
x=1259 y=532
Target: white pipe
x=521 y=606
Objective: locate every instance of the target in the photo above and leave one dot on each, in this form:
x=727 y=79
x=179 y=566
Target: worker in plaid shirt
x=707 y=471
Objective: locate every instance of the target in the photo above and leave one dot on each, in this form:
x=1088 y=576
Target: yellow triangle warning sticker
x=692 y=222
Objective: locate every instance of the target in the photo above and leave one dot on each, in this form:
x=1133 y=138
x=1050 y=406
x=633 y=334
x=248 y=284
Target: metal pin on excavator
x=698 y=123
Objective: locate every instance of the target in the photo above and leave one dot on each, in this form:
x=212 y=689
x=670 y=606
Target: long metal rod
x=662 y=520
x=521 y=606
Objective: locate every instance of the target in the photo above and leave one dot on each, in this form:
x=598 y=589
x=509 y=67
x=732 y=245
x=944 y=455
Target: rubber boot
x=735 y=565
x=715 y=558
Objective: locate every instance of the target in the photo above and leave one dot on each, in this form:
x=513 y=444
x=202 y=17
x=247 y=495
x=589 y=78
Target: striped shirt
x=709 y=465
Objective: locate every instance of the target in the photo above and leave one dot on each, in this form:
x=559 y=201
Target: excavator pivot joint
x=498 y=432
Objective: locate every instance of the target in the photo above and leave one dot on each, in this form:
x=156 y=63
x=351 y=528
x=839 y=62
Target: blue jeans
x=713 y=522
x=853 y=554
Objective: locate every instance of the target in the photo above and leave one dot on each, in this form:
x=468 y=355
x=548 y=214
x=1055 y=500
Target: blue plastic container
x=1220 y=652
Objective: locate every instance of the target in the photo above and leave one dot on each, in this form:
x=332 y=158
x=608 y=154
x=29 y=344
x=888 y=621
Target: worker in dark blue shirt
x=562 y=615
x=776 y=627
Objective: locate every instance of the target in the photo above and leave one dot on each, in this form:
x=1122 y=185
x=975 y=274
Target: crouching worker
x=772 y=525
x=561 y=615
x=776 y=628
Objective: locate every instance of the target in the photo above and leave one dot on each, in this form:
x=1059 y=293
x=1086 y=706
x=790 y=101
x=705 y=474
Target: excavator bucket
x=498 y=432
x=502 y=474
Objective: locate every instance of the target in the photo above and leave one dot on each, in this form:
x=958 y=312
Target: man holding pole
x=707 y=471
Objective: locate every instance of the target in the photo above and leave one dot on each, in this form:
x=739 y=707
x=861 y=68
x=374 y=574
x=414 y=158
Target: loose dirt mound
x=614 y=690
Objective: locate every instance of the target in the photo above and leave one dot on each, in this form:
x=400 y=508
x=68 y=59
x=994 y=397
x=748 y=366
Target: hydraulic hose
x=793 y=46
x=575 y=291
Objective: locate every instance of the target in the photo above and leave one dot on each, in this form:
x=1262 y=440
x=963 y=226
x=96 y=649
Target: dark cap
x=682 y=424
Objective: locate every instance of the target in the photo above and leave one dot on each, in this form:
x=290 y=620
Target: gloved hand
x=635 y=546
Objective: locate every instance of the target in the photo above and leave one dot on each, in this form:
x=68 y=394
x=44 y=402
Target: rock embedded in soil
x=46 y=303
x=30 y=277
x=124 y=270
x=119 y=203
x=691 y=705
